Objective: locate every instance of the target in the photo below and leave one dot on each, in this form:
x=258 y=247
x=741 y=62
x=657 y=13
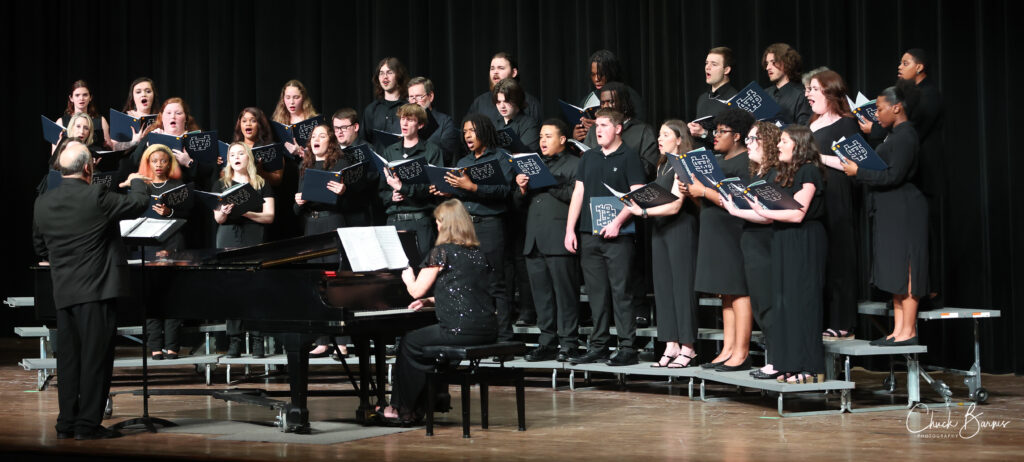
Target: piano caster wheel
x=980 y=396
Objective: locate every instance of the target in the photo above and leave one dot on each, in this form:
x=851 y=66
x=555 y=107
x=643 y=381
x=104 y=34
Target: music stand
x=146 y=232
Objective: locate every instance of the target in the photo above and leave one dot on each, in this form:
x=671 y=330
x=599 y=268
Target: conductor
x=76 y=229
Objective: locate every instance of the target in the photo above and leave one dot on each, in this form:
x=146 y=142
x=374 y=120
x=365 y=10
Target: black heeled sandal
x=670 y=359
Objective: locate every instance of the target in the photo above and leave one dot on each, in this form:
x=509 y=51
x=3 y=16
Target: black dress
x=163 y=333
x=465 y=316
x=318 y=217
x=756 y=244
x=798 y=276
x=674 y=262
x=841 y=224
x=899 y=216
x=240 y=231
x=718 y=250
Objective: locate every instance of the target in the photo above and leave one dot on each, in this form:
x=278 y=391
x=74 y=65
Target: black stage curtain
x=223 y=55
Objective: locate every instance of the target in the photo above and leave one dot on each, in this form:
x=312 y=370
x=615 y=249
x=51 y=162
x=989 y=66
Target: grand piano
x=277 y=287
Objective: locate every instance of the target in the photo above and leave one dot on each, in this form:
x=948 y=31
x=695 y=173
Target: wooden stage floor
x=650 y=420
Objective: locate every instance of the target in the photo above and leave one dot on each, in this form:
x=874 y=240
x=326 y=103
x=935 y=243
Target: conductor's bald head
x=74 y=161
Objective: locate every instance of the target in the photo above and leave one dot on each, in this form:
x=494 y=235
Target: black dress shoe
x=503 y=358
x=156 y=356
x=98 y=433
x=65 y=435
x=742 y=367
x=568 y=355
x=908 y=342
x=541 y=354
x=712 y=365
x=526 y=322
x=170 y=356
x=760 y=375
x=235 y=348
x=258 y=350
x=623 y=358
x=594 y=356
x=881 y=341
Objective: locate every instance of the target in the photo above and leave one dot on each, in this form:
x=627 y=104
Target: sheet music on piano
x=372 y=248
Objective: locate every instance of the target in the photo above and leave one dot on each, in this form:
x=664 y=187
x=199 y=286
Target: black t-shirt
x=619 y=170
x=807 y=173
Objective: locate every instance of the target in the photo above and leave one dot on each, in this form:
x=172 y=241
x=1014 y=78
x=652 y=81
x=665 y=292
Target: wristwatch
x=645 y=213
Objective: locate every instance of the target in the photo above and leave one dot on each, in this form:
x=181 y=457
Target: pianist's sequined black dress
x=465 y=315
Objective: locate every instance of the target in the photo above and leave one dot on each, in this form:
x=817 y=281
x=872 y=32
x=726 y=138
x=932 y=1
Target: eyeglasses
x=751 y=139
x=388 y=73
x=415 y=98
x=721 y=132
x=344 y=127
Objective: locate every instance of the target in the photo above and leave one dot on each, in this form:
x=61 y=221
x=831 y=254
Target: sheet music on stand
x=149 y=231
x=371 y=248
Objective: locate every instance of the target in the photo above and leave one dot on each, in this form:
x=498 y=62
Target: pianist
x=464 y=307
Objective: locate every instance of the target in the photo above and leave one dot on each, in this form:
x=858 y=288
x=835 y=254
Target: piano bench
x=448 y=371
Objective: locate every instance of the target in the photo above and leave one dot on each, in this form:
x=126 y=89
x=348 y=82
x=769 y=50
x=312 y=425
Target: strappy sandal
x=667 y=363
x=677 y=365
x=805 y=378
x=831 y=335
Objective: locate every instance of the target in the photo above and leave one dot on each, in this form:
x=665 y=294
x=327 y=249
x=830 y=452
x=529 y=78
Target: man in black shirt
x=509 y=99
x=782 y=63
x=635 y=133
x=409 y=206
x=503 y=66
x=389 y=91
x=717 y=67
x=440 y=129
x=487 y=204
x=553 y=271
x=76 y=230
x=605 y=255
x=604 y=67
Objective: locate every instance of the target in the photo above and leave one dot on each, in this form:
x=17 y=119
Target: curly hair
x=787 y=59
x=805 y=151
x=768 y=135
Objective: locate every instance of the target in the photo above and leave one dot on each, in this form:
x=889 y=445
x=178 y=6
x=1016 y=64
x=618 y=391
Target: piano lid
x=293 y=250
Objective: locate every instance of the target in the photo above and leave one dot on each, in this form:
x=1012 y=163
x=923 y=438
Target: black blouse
x=464 y=302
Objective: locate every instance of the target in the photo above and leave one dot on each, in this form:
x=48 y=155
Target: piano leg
x=380 y=366
x=365 y=412
x=297 y=415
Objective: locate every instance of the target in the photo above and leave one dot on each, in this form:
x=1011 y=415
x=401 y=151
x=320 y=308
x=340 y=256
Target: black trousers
x=491 y=232
x=517 y=279
x=555 y=280
x=85 y=362
x=606 y=267
x=162 y=334
x=410 y=378
x=234 y=327
x=426 y=234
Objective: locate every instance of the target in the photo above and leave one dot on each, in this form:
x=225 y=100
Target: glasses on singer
x=751 y=139
x=720 y=132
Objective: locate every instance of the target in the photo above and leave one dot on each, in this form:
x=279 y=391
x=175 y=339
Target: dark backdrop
x=223 y=55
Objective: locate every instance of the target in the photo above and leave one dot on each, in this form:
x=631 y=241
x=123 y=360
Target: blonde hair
x=281 y=114
x=255 y=180
x=145 y=170
x=71 y=123
x=454 y=224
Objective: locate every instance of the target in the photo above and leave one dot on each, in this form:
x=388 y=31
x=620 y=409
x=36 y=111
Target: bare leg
x=897 y=307
x=671 y=352
x=728 y=329
x=909 y=303
x=742 y=324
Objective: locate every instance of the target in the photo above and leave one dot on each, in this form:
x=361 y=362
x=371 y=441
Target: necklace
x=161 y=184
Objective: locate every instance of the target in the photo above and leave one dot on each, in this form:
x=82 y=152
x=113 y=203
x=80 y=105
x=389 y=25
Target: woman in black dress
x=899 y=215
x=80 y=100
x=673 y=254
x=831 y=121
x=160 y=170
x=141 y=101
x=319 y=217
x=464 y=306
x=756 y=241
x=799 y=246
x=253 y=129
x=719 y=257
x=242 y=230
